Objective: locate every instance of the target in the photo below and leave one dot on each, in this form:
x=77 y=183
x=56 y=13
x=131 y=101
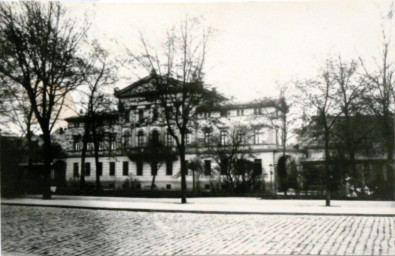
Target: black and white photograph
x=197 y=128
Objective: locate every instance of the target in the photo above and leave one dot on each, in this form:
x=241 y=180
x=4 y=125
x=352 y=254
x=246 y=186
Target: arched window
x=140 y=139
x=155 y=137
x=223 y=138
x=126 y=139
x=207 y=137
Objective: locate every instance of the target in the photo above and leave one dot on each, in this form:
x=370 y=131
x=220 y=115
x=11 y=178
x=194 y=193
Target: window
x=240 y=112
x=125 y=168
x=112 y=168
x=207 y=167
x=168 y=186
x=87 y=169
x=100 y=168
x=258 y=137
x=76 y=144
x=187 y=138
x=169 y=140
x=112 y=142
x=240 y=137
x=126 y=140
x=155 y=138
x=141 y=115
x=207 y=138
x=223 y=138
x=90 y=146
x=126 y=116
x=258 y=166
x=257 y=111
x=75 y=170
x=169 y=167
x=139 y=165
x=140 y=139
x=155 y=114
x=224 y=166
x=207 y=114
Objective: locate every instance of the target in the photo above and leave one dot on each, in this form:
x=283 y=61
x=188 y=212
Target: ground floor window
x=87 y=169
x=139 y=166
x=100 y=168
x=125 y=168
x=112 y=168
x=169 y=167
x=207 y=167
x=75 y=170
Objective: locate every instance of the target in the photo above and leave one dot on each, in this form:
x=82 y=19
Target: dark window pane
x=169 y=167
x=139 y=165
x=100 y=168
x=207 y=167
x=112 y=168
x=125 y=168
x=87 y=169
x=75 y=170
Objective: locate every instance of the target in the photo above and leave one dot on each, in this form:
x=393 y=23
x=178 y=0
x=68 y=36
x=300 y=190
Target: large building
x=139 y=120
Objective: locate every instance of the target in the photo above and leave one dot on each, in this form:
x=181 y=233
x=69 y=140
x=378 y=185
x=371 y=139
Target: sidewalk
x=219 y=205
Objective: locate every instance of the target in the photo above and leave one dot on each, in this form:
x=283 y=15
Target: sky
x=256 y=46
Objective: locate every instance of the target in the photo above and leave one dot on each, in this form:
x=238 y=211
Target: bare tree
x=231 y=154
x=178 y=81
x=39 y=52
x=319 y=94
x=99 y=78
x=380 y=100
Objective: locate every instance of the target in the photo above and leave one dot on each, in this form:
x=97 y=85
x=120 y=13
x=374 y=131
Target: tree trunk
x=96 y=155
x=327 y=169
x=83 y=156
x=47 y=166
x=183 y=175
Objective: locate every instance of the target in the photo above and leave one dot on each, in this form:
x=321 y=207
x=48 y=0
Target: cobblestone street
x=60 y=231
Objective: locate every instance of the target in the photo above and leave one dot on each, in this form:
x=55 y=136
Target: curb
x=199 y=211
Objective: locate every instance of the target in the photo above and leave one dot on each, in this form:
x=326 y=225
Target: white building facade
x=139 y=120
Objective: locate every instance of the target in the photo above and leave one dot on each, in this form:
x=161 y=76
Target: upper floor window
x=126 y=117
x=257 y=111
x=187 y=138
x=126 y=140
x=155 y=138
x=141 y=115
x=169 y=140
x=207 y=137
x=258 y=137
x=207 y=114
x=155 y=114
x=76 y=144
x=240 y=136
x=223 y=138
x=240 y=112
x=111 y=140
x=140 y=139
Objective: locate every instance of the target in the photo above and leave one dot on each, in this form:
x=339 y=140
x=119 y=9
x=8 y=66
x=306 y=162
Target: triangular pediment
x=140 y=87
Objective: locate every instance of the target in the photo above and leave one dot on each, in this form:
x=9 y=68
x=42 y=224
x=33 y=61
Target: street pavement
x=228 y=205
x=37 y=230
